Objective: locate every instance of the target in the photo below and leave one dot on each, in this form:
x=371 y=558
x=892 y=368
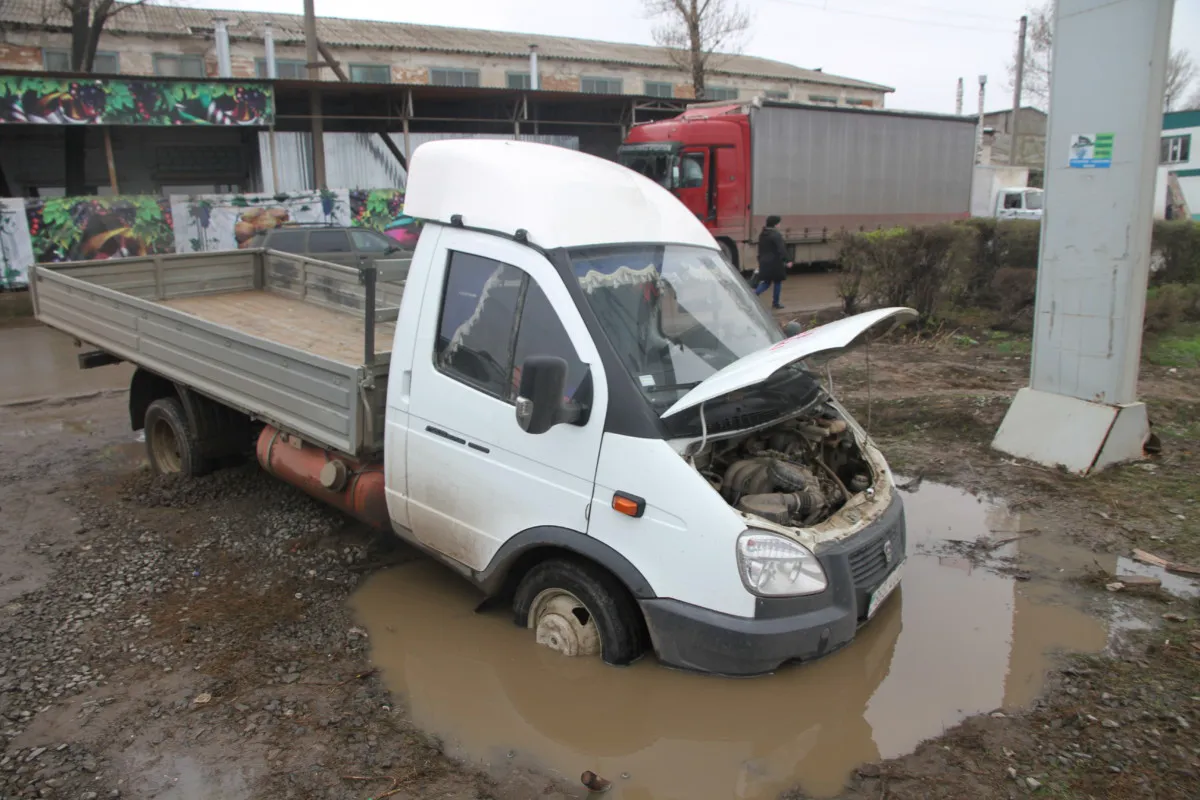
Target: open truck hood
x=823 y=343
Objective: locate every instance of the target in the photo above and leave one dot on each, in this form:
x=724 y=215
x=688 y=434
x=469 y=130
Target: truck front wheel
x=578 y=609
x=170 y=445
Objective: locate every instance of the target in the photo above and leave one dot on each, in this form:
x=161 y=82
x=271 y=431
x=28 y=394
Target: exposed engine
x=797 y=473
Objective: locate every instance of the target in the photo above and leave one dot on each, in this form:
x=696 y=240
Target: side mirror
x=675 y=176
x=543 y=379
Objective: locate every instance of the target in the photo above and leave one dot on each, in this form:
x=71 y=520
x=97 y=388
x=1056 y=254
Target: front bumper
x=785 y=628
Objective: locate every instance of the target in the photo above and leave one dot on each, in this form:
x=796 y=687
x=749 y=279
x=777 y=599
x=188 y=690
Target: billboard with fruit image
x=383 y=210
x=37 y=100
x=86 y=228
x=232 y=221
x=16 y=251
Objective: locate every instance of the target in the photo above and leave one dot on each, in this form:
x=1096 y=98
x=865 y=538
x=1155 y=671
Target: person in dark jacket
x=772 y=260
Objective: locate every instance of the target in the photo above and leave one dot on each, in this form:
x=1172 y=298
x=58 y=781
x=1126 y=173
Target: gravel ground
x=170 y=638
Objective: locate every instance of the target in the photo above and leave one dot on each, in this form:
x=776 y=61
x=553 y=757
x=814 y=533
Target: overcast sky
x=921 y=47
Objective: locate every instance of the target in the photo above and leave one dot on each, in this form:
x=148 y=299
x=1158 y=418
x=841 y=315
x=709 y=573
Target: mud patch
x=956 y=640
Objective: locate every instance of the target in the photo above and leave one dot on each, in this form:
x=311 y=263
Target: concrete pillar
x=221 y=35
x=1080 y=409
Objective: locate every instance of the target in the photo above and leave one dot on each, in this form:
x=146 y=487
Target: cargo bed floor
x=333 y=334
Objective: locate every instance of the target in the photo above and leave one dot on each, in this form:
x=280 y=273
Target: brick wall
x=15 y=56
x=560 y=83
x=402 y=74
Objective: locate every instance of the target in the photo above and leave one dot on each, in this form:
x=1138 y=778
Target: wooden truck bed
x=283 y=338
x=294 y=323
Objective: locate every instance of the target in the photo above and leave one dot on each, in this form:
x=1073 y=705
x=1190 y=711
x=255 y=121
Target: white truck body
x=1002 y=192
x=587 y=413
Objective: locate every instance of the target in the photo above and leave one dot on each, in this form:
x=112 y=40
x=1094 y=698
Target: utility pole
x=314 y=104
x=979 y=123
x=1012 y=146
x=958 y=99
x=1080 y=409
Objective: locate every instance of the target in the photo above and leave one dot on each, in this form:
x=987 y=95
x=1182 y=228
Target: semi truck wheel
x=578 y=609
x=170 y=445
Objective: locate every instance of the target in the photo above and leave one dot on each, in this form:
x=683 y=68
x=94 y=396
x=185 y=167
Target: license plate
x=887 y=587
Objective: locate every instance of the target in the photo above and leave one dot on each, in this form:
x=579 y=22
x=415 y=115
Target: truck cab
x=588 y=413
x=1019 y=202
x=703 y=158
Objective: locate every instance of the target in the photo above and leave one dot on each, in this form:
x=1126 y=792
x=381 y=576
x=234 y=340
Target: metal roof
x=155 y=20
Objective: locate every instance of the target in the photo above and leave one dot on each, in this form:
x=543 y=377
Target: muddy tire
x=577 y=608
x=170 y=444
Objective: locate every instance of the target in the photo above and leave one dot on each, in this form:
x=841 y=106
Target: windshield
x=654 y=163
x=674 y=314
x=1033 y=199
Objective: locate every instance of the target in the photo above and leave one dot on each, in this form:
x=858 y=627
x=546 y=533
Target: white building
x=1177 y=188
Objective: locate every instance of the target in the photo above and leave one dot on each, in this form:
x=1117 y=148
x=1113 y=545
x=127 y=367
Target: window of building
x=517 y=80
x=286 y=68
x=600 y=85
x=475 y=341
x=171 y=66
x=822 y=98
x=858 y=101
x=370 y=73
x=105 y=62
x=720 y=93
x=1175 y=149
x=773 y=94
x=328 y=242
x=454 y=77
x=659 y=89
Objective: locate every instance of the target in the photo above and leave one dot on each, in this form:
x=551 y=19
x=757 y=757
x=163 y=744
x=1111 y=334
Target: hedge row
x=993 y=264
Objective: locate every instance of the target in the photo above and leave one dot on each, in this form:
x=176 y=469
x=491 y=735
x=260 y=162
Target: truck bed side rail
x=111 y=305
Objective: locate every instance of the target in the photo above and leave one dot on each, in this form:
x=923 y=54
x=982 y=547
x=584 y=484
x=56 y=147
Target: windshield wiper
x=672 y=387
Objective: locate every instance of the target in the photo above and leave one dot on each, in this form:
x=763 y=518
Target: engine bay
x=796 y=473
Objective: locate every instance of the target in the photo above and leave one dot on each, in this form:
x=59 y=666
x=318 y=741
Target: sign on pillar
x=1080 y=410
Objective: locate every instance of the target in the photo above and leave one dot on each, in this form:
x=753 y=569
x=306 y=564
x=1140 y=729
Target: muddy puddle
x=41 y=363
x=956 y=640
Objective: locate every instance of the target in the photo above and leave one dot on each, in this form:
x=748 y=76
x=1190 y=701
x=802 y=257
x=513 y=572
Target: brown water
x=955 y=640
x=39 y=362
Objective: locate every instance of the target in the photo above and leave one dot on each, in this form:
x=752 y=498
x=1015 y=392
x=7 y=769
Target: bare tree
x=1181 y=69
x=1193 y=102
x=1039 y=41
x=693 y=31
x=86 y=19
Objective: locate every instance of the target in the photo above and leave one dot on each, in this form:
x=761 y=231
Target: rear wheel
x=578 y=609
x=170 y=443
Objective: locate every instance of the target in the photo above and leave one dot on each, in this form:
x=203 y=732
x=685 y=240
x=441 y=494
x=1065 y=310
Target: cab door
x=475 y=478
x=692 y=184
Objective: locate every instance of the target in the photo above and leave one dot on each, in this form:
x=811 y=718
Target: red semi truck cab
x=703 y=157
x=821 y=169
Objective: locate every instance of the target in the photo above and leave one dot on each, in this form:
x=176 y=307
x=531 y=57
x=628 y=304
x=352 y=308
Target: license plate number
x=886 y=588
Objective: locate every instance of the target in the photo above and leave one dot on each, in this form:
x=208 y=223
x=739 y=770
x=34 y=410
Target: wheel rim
x=165 y=445
x=564 y=624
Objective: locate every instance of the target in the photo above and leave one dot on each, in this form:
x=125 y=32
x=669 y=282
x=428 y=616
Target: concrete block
x=1061 y=431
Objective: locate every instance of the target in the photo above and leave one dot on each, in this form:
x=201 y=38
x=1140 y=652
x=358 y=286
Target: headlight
x=773 y=566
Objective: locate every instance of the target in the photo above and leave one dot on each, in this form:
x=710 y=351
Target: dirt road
x=220 y=637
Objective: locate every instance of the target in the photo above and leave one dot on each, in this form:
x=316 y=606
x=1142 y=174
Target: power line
x=910 y=20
